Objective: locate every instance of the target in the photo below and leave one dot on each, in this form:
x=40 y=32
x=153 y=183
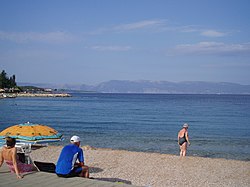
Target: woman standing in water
x=183 y=140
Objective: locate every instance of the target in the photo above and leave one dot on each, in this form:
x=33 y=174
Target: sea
x=219 y=125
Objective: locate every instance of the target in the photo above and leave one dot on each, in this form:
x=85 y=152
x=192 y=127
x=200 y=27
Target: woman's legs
x=183 y=149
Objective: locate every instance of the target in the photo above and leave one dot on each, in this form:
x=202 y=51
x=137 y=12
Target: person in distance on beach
x=67 y=165
x=11 y=158
x=183 y=140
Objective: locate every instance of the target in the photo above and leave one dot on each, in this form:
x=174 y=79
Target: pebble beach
x=154 y=169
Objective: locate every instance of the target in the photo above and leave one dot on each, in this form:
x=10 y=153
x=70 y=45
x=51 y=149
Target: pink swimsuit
x=21 y=166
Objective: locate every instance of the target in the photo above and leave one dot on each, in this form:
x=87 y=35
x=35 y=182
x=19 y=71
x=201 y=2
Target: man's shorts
x=73 y=173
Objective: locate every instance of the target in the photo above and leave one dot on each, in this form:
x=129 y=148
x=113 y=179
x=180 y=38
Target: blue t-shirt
x=69 y=155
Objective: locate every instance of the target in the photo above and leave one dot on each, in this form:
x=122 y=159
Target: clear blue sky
x=92 y=41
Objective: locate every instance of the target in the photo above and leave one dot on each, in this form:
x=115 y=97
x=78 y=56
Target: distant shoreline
x=157 y=87
x=14 y=95
x=43 y=95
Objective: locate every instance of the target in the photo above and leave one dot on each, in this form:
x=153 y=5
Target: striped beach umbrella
x=33 y=133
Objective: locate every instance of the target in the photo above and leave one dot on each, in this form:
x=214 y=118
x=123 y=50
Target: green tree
x=12 y=81
x=6 y=82
x=3 y=79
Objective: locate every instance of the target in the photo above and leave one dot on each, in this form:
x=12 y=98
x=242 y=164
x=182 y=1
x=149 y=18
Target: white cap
x=75 y=139
x=185 y=125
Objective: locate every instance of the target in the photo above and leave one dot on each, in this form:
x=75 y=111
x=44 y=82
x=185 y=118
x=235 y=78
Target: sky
x=93 y=41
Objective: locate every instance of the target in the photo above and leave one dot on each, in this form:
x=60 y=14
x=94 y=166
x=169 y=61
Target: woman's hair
x=10 y=142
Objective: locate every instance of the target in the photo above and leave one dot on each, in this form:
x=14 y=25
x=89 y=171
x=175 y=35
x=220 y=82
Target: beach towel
x=45 y=166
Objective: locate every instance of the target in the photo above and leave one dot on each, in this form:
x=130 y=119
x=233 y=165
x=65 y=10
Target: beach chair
x=23 y=151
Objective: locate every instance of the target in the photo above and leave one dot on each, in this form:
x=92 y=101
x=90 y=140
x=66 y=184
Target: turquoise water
x=219 y=124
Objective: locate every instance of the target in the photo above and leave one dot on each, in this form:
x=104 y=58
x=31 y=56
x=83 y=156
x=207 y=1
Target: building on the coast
x=48 y=90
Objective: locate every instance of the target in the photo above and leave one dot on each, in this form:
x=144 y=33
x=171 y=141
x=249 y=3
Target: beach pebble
x=154 y=169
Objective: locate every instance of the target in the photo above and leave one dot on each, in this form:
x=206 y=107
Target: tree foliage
x=7 y=82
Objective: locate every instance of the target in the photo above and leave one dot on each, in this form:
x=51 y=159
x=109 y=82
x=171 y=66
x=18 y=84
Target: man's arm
x=80 y=158
x=80 y=164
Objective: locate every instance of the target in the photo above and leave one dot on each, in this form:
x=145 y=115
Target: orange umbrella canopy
x=31 y=132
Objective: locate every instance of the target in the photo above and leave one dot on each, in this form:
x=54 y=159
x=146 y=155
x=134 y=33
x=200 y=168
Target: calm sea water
x=219 y=124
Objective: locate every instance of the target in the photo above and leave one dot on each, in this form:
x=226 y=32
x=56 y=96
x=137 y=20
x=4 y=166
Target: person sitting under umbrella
x=67 y=166
x=9 y=155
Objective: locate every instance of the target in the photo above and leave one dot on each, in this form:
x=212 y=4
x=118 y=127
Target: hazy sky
x=91 y=41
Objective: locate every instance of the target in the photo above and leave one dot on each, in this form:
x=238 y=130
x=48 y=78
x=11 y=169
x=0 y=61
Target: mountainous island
x=9 y=85
x=156 y=87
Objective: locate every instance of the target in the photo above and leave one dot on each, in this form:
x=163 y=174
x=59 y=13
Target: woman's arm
x=178 y=137
x=1 y=158
x=187 y=138
x=14 y=157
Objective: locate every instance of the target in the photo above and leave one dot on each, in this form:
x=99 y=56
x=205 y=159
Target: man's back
x=69 y=155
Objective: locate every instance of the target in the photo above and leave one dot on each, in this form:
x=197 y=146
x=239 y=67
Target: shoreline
x=14 y=95
x=43 y=95
x=88 y=147
x=156 y=169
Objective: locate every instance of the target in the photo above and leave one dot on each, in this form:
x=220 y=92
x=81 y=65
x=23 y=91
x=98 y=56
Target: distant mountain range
x=144 y=86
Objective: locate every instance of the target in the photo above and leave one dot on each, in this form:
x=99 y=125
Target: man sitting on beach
x=67 y=165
